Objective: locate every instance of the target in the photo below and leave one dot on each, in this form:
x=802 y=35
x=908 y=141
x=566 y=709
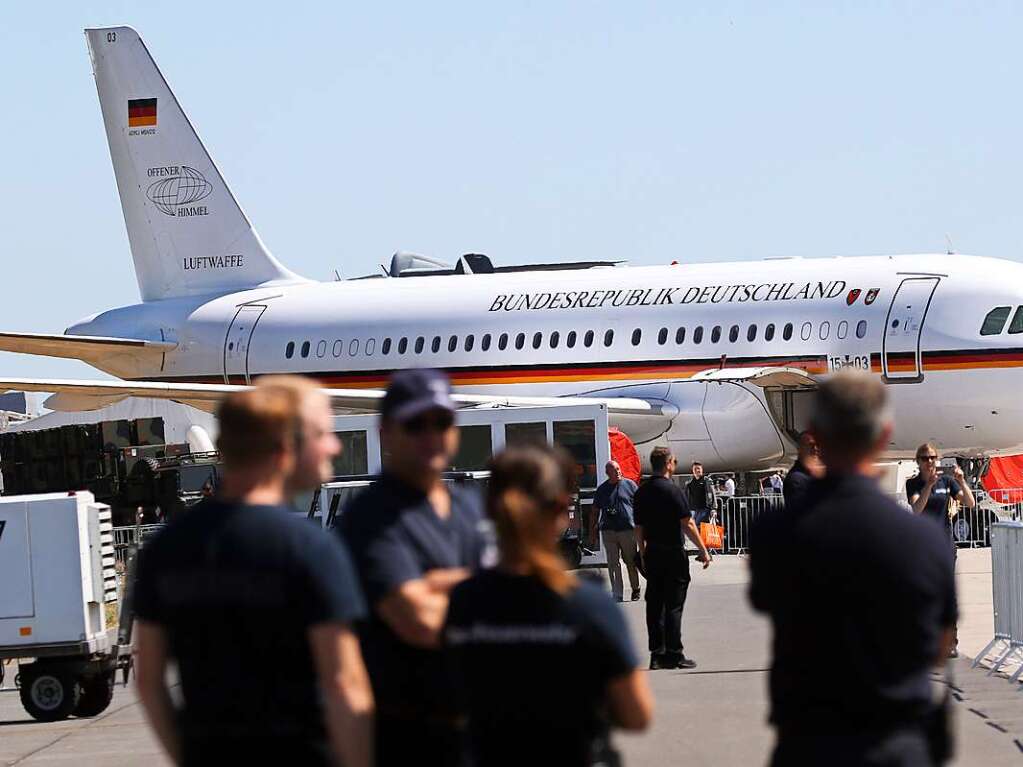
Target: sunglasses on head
x=436 y=422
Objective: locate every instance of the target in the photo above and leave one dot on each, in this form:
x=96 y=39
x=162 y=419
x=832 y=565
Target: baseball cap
x=412 y=392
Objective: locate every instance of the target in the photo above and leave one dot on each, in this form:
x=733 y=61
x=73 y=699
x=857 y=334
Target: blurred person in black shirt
x=413 y=538
x=254 y=604
x=848 y=577
x=543 y=661
x=804 y=471
x=663 y=520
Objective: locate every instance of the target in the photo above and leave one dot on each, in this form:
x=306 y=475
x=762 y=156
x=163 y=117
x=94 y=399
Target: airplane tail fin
x=188 y=234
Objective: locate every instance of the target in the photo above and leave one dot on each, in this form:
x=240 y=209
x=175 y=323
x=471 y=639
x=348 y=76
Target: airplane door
x=900 y=353
x=236 y=344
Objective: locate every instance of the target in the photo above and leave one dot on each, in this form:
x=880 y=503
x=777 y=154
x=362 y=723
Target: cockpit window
x=1016 y=326
x=994 y=323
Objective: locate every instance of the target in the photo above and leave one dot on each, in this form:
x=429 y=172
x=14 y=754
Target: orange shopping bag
x=712 y=534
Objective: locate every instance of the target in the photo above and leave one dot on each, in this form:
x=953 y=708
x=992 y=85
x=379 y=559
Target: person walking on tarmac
x=700 y=491
x=662 y=519
x=617 y=529
x=413 y=538
x=847 y=575
x=255 y=606
x=543 y=661
x=933 y=494
x=805 y=470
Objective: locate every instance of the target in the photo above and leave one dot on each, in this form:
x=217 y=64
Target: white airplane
x=714 y=360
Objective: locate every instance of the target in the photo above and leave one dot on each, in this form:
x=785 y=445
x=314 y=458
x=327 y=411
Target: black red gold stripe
x=141 y=112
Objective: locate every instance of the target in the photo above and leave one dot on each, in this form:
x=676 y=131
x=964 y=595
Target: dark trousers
x=402 y=741
x=900 y=748
x=667 y=581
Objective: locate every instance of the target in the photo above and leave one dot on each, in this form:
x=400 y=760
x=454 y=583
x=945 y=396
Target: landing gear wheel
x=97 y=692
x=49 y=694
x=961 y=530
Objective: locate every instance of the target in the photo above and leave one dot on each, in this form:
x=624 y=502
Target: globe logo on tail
x=184 y=188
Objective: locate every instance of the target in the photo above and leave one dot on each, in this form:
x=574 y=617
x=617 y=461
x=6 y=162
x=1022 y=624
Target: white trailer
x=57 y=574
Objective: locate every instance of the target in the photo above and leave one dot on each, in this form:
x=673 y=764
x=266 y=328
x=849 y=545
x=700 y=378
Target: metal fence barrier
x=737 y=515
x=1007 y=597
x=132 y=535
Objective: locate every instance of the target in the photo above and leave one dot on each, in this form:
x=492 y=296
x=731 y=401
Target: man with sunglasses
x=413 y=538
x=931 y=493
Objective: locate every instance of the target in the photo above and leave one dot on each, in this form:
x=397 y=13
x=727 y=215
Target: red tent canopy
x=1004 y=479
x=623 y=450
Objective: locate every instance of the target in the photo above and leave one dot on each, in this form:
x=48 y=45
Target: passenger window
x=520 y=340
x=733 y=334
x=751 y=333
x=570 y=339
x=1016 y=326
x=680 y=336
x=470 y=341
x=537 y=340
x=825 y=330
x=994 y=323
x=502 y=342
x=305 y=349
x=769 y=332
x=698 y=334
x=786 y=332
x=435 y=345
x=485 y=342
x=588 y=339
x=715 y=334
x=339 y=347
x=555 y=338
x=385 y=347
x=289 y=350
x=861 y=328
x=637 y=336
x=420 y=343
x=806 y=331
x=843 y=329
x=662 y=336
x=609 y=337
x=353 y=347
x=321 y=348
x=371 y=346
x=452 y=343
x=403 y=345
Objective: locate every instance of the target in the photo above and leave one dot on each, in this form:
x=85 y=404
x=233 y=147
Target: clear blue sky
x=528 y=130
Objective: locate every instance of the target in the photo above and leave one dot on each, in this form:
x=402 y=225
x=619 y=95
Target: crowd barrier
x=131 y=535
x=737 y=515
x=1007 y=598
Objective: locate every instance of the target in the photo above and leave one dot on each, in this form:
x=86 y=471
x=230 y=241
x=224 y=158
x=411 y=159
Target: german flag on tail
x=141 y=112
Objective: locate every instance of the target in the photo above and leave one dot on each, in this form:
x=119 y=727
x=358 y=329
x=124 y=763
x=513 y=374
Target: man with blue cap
x=413 y=538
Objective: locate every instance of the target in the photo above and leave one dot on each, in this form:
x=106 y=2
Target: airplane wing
x=92 y=395
x=91 y=349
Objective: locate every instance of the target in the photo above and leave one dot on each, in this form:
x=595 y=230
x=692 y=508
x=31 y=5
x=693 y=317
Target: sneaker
x=684 y=662
x=635 y=595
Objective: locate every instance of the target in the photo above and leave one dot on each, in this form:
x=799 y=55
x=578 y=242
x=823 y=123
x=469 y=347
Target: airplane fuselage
x=637 y=332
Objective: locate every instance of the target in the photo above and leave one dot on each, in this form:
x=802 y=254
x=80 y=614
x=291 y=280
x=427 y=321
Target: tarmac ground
x=712 y=715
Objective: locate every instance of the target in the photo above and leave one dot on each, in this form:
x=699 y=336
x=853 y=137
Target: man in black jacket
x=662 y=519
x=700 y=491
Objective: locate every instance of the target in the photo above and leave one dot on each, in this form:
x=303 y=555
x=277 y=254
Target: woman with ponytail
x=543 y=661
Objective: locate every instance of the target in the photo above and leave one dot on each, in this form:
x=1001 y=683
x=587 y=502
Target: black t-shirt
x=395 y=536
x=533 y=666
x=796 y=483
x=701 y=493
x=849 y=575
x=944 y=490
x=660 y=507
x=236 y=588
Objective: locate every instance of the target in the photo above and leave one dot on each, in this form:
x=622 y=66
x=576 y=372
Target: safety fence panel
x=132 y=535
x=1007 y=597
x=972 y=527
x=737 y=515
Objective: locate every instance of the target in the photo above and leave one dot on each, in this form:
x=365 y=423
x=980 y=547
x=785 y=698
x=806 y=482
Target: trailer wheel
x=97 y=692
x=48 y=694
